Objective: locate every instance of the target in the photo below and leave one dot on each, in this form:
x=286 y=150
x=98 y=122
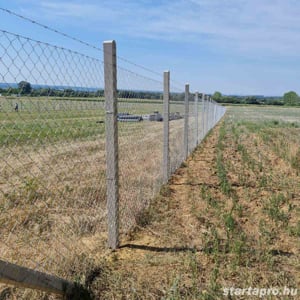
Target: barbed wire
x=49 y=28
x=75 y=39
x=46 y=44
x=74 y=52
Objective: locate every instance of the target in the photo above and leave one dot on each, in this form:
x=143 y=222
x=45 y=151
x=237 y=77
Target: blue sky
x=233 y=46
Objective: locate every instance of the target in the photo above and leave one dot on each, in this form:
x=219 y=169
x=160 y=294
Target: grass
x=52 y=181
x=228 y=217
x=221 y=169
x=44 y=121
x=232 y=206
x=273 y=209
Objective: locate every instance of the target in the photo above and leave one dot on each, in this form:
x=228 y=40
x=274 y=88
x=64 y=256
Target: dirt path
x=159 y=253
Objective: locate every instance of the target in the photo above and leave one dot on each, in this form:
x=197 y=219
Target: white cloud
x=262 y=34
x=67 y=9
x=248 y=27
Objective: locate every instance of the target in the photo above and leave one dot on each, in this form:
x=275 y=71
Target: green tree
x=24 y=87
x=251 y=100
x=291 y=98
x=217 y=96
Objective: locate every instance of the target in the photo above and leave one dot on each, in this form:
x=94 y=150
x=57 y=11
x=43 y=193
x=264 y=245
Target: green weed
x=294 y=230
x=274 y=211
x=207 y=196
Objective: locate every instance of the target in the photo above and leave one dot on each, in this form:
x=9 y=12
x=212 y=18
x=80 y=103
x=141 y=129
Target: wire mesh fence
x=193 y=121
x=140 y=110
x=52 y=158
x=176 y=128
x=53 y=183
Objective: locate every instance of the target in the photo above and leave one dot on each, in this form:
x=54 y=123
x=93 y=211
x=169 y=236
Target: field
x=228 y=217
x=52 y=182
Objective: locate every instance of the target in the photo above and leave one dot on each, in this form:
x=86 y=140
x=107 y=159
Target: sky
x=233 y=46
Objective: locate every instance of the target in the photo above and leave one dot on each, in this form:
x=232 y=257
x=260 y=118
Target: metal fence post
x=111 y=132
x=186 y=122
x=166 y=153
x=196 y=119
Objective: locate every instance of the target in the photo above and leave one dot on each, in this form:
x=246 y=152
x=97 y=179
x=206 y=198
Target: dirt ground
x=213 y=227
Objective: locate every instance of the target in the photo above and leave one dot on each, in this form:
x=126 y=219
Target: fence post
x=186 y=122
x=203 y=115
x=212 y=113
x=208 y=113
x=215 y=113
x=111 y=132
x=166 y=154
x=196 y=118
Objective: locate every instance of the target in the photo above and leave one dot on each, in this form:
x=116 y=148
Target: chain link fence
x=176 y=128
x=53 y=184
x=140 y=133
x=52 y=158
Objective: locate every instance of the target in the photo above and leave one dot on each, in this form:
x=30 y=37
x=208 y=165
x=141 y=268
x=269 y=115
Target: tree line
x=290 y=98
x=25 y=88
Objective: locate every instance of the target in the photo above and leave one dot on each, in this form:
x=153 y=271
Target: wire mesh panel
x=176 y=128
x=205 y=116
x=52 y=158
x=193 y=119
x=200 y=117
x=140 y=129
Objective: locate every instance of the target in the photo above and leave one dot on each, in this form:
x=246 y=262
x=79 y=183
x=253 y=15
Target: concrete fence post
x=196 y=119
x=186 y=122
x=166 y=153
x=111 y=132
x=203 y=116
x=215 y=113
x=208 y=114
x=212 y=113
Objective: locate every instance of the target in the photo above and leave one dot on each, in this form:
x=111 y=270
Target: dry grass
x=53 y=210
x=229 y=218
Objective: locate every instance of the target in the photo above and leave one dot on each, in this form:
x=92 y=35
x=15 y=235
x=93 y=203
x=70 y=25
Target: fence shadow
x=159 y=249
